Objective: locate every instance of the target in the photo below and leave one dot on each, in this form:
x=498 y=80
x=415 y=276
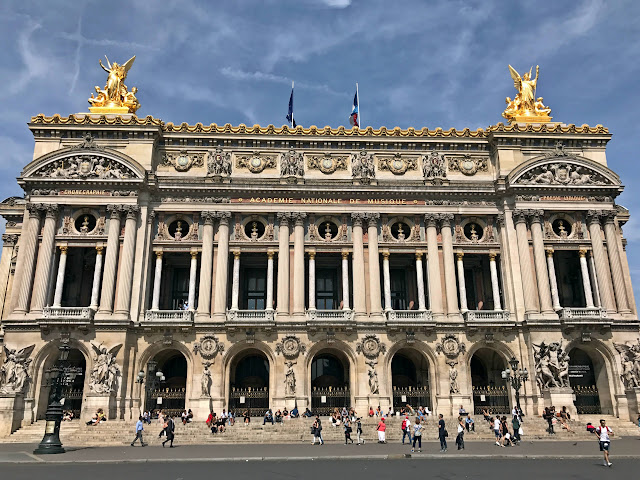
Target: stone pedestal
x=633 y=404
x=11 y=413
x=560 y=397
x=201 y=407
x=93 y=401
x=458 y=399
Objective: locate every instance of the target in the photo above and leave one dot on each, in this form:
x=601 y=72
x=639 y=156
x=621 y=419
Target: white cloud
x=237 y=74
x=336 y=3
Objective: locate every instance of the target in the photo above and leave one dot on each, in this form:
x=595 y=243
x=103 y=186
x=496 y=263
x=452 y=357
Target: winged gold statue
x=525 y=107
x=115 y=97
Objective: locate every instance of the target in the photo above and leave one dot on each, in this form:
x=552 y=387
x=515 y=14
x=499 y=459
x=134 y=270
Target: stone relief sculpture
x=630 y=359
x=105 y=369
x=14 y=372
x=182 y=161
x=208 y=347
x=398 y=165
x=290 y=379
x=219 y=163
x=552 y=365
x=453 y=377
x=206 y=380
x=563 y=173
x=85 y=166
x=468 y=165
x=374 y=386
x=363 y=168
x=292 y=164
x=434 y=165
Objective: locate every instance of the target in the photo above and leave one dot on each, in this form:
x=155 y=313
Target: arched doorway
x=489 y=389
x=166 y=384
x=249 y=383
x=410 y=379
x=329 y=383
x=72 y=393
x=588 y=378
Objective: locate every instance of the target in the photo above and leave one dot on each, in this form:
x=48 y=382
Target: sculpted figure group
x=552 y=365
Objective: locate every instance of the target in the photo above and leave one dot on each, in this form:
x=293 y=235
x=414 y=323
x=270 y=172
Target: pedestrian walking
x=139 y=430
x=359 y=431
x=406 y=429
x=604 y=434
x=169 y=432
x=382 y=427
x=319 y=429
x=549 y=416
x=496 y=430
x=314 y=432
x=460 y=437
x=442 y=434
x=516 y=428
x=417 y=436
x=347 y=431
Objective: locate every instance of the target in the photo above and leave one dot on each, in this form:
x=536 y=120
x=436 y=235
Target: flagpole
x=359 y=111
x=292 y=105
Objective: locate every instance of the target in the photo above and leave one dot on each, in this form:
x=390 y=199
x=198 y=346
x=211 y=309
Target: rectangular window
x=326 y=289
x=398 y=289
x=255 y=288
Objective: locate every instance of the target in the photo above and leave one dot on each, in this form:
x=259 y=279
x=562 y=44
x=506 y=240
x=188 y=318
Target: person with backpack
x=604 y=434
x=406 y=429
x=347 y=431
x=460 y=437
x=417 y=436
x=168 y=431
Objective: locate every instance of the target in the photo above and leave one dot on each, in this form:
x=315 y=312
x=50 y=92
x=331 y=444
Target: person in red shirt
x=382 y=427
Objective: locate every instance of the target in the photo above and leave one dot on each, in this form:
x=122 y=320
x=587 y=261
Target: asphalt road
x=454 y=468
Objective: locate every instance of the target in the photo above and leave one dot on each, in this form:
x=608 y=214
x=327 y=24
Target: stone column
x=526 y=269
x=387 y=280
x=27 y=253
x=611 y=235
x=359 y=300
x=97 y=274
x=157 y=281
x=345 y=280
x=235 y=286
x=193 y=271
x=586 y=282
x=420 y=281
x=374 y=263
x=269 y=303
x=126 y=265
x=449 y=263
x=110 y=260
x=542 y=275
x=435 y=285
x=62 y=265
x=594 y=281
x=43 y=266
x=495 y=285
x=552 y=278
x=221 y=273
x=298 y=264
x=283 y=264
x=312 y=280
x=206 y=265
x=461 y=282
x=602 y=265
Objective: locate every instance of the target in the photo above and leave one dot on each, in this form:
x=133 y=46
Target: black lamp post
x=60 y=375
x=153 y=380
x=516 y=377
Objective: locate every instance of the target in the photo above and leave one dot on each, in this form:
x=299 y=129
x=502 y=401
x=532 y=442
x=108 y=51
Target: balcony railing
x=330 y=315
x=487 y=316
x=68 y=313
x=577 y=314
x=168 y=315
x=409 y=316
x=250 y=315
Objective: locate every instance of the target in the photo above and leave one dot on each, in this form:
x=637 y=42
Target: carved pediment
x=561 y=169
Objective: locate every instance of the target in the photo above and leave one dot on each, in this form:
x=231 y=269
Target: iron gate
x=493 y=399
x=254 y=400
x=325 y=400
x=72 y=401
x=414 y=396
x=587 y=400
x=172 y=400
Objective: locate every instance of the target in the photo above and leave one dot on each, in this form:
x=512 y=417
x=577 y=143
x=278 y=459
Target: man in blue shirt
x=470 y=424
x=139 y=430
x=294 y=412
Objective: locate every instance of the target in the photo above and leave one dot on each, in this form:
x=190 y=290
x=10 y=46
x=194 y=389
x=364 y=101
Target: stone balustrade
x=234 y=315
x=68 y=313
x=169 y=316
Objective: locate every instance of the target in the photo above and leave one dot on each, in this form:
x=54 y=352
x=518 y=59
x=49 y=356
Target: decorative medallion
x=182 y=161
x=468 y=165
x=327 y=163
x=208 y=347
x=256 y=162
x=290 y=346
x=397 y=165
x=450 y=346
x=370 y=346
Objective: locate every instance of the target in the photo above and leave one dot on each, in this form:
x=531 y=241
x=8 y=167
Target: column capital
x=312 y=254
x=345 y=254
x=236 y=254
x=299 y=217
x=99 y=249
x=34 y=209
x=270 y=254
x=9 y=239
x=594 y=216
x=284 y=218
x=51 y=210
x=492 y=256
x=609 y=217
x=500 y=219
x=159 y=254
x=431 y=219
x=459 y=255
x=357 y=218
x=222 y=217
x=114 y=211
x=131 y=211
x=194 y=254
x=372 y=218
x=63 y=249
x=583 y=252
x=419 y=254
x=535 y=216
x=208 y=217
x=385 y=254
x=549 y=251
x=520 y=216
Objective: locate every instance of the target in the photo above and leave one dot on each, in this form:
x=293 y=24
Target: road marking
x=31 y=455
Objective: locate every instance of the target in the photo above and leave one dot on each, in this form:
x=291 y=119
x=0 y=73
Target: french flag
x=353 y=119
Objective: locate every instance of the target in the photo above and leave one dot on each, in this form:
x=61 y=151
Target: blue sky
x=418 y=63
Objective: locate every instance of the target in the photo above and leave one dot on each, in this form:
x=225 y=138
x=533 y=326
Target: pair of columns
x=62 y=265
x=157 y=281
x=345 y=280
x=387 y=281
x=495 y=285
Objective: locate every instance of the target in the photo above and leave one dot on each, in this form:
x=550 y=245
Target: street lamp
x=516 y=377
x=59 y=376
x=153 y=380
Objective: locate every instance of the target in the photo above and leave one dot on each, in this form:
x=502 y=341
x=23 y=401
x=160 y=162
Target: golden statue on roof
x=525 y=107
x=115 y=97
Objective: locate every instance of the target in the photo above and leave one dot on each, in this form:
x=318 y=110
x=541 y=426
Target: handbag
x=520 y=431
x=446 y=434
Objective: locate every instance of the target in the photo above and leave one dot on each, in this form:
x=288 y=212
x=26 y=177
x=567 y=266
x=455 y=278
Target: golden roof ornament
x=115 y=98
x=525 y=107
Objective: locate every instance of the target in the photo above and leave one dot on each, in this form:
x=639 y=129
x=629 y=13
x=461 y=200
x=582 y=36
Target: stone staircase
x=119 y=432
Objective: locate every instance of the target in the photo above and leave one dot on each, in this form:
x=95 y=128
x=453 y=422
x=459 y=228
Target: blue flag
x=290 y=118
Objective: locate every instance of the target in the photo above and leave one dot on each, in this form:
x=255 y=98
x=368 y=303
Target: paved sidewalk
x=628 y=447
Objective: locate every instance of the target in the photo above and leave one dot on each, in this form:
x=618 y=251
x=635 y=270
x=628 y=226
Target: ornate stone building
x=246 y=267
